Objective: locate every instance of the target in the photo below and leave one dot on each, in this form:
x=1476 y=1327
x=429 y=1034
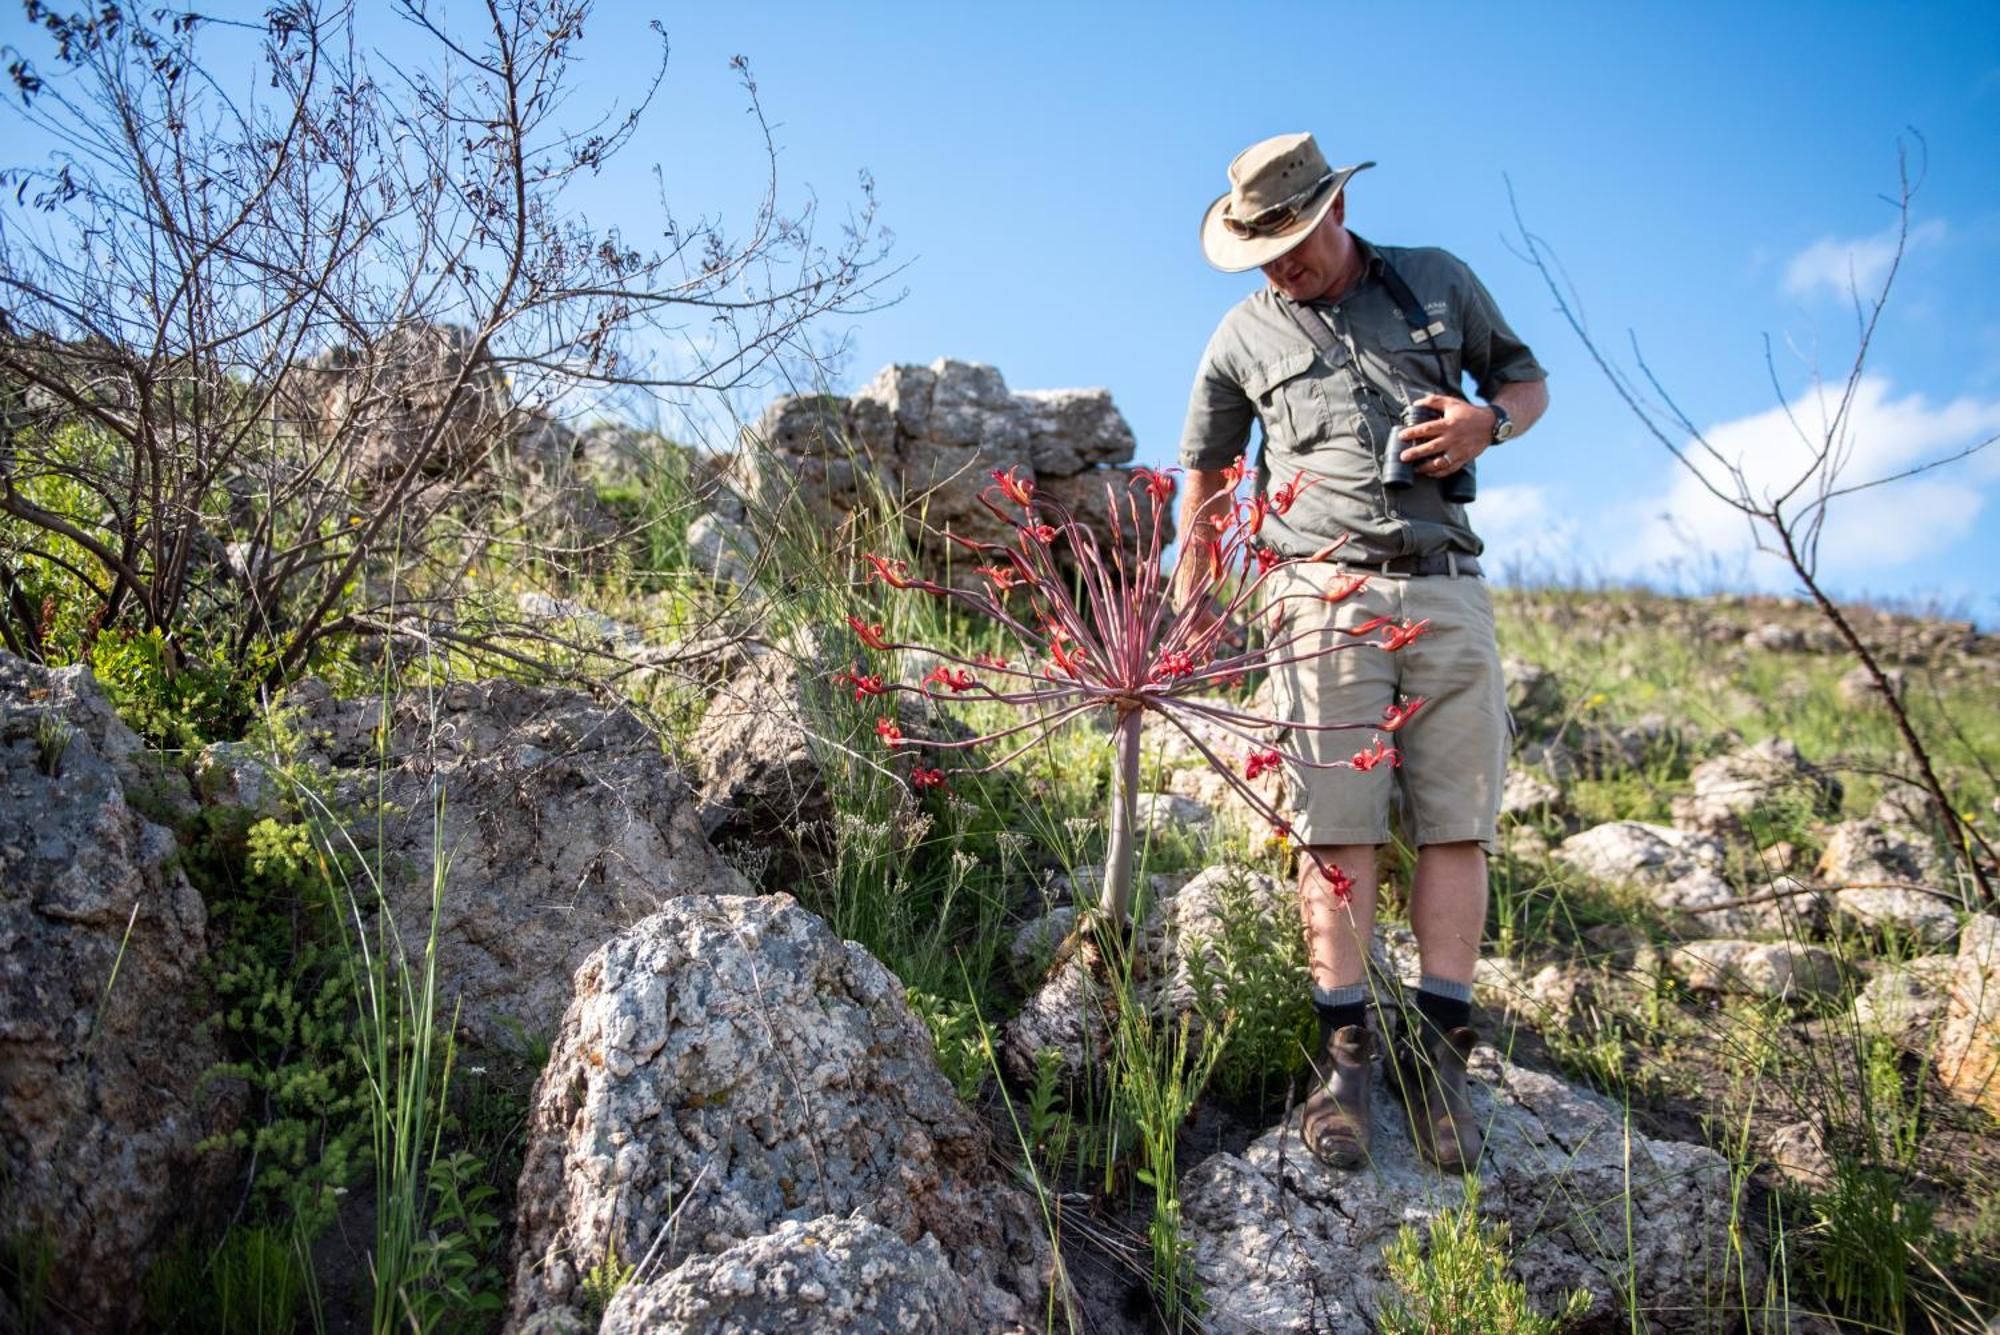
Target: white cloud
x=1868 y=532
x=1856 y=265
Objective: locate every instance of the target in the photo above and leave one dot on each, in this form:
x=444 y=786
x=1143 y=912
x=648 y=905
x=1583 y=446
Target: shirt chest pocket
x=1290 y=395
x=1434 y=366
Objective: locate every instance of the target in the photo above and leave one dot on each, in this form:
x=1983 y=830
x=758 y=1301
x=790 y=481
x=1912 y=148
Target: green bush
x=1254 y=973
x=1458 y=1283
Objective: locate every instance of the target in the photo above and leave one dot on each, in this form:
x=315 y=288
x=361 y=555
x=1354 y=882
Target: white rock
x=1779 y=970
x=1284 y=1246
x=721 y=549
x=1162 y=813
x=1906 y=1000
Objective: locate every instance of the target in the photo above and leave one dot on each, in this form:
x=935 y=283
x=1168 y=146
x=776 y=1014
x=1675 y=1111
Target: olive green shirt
x=1332 y=422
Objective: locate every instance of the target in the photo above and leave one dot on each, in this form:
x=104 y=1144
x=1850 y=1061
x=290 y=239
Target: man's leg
x=1338 y=933
x=1448 y=915
x=1448 y=909
x=1335 y=1122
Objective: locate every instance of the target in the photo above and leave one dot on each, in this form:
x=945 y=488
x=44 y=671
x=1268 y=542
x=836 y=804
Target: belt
x=1435 y=563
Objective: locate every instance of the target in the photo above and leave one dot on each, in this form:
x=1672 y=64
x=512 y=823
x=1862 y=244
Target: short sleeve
x=1219 y=415
x=1494 y=354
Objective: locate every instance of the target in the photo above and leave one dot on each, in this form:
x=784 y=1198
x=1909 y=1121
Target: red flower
x=1158 y=482
x=896 y=574
x=921 y=778
x=1071 y=661
x=1173 y=665
x=891 y=735
x=865 y=685
x=1395 y=716
x=1367 y=760
x=871 y=635
x=1371 y=624
x=1344 y=588
x=1214 y=561
x=961 y=680
x=1014 y=487
x=1268 y=557
x=1262 y=763
x=1403 y=634
x=1234 y=473
x=1002 y=578
x=990 y=660
x=1252 y=514
x=1283 y=497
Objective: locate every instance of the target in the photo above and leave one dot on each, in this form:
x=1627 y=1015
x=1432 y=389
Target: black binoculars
x=1459 y=488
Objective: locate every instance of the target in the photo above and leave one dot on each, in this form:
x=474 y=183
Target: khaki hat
x=1279 y=190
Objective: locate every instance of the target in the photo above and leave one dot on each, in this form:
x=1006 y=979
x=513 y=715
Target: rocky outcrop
x=1283 y=1244
x=103 y=1057
x=560 y=819
x=926 y=441
x=729 y=1065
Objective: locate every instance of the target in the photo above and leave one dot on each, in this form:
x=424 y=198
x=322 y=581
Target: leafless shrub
x=251 y=348
x=1788 y=518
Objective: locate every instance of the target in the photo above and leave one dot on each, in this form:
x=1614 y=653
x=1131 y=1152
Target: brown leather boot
x=1334 y=1126
x=1429 y=1077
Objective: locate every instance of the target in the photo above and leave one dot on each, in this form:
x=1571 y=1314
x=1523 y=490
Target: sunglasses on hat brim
x=1279 y=216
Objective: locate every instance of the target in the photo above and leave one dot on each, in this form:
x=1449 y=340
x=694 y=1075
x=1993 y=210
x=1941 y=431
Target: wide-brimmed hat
x=1279 y=189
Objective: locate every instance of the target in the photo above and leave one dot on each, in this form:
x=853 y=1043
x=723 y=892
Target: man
x=1346 y=343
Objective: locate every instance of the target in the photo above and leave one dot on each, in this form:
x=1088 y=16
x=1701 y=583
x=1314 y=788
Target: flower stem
x=1117 y=902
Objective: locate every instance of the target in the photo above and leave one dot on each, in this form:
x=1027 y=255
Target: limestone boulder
x=1737 y=794
x=560 y=819
x=1906 y=1001
x=104 y=1058
x=1527 y=796
x=729 y=1066
x=1069 y=430
x=722 y=549
x=763 y=744
x=1271 y=1228
x=1968 y=1056
x=1885 y=875
x=926 y=440
x=830 y=1273
x=381 y=402
x=1680 y=871
x=1071 y=1009
x=1776 y=970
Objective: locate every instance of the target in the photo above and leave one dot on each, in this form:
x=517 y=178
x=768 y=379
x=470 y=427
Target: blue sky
x=1708 y=175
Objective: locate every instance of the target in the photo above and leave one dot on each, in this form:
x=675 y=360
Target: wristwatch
x=1503 y=425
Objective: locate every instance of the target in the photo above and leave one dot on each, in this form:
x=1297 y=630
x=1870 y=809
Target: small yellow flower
x=1595 y=700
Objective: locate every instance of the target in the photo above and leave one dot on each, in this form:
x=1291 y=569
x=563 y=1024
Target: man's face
x=1310 y=269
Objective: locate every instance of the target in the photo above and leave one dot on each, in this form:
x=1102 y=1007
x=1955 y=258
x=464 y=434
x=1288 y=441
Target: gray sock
x=1444 y=987
x=1351 y=995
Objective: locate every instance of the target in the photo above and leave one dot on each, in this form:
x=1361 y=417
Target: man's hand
x=1442 y=447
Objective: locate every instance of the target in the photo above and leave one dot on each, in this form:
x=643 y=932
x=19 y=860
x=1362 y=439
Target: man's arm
x=1205 y=494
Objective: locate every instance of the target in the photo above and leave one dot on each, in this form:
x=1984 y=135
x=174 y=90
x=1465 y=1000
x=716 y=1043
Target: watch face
x=1503 y=425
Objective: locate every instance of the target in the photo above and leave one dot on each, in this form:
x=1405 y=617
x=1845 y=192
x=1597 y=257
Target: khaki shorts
x=1454 y=750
